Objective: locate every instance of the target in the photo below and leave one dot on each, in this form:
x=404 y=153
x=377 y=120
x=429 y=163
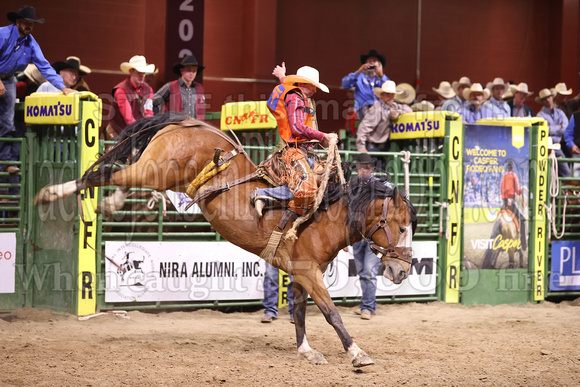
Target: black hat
x=69 y=64
x=187 y=61
x=364 y=158
x=381 y=57
x=26 y=12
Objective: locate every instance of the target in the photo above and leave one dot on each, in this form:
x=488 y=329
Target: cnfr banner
x=247 y=115
x=496 y=195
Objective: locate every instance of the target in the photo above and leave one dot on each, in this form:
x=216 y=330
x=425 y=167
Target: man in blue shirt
x=17 y=49
x=572 y=138
x=475 y=108
x=496 y=104
x=364 y=80
x=557 y=124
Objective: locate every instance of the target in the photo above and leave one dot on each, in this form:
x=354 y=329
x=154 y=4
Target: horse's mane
x=361 y=194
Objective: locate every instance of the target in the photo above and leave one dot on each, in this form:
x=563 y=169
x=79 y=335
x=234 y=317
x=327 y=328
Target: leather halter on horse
x=404 y=254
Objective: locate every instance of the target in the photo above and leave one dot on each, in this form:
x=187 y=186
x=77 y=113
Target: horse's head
x=387 y=221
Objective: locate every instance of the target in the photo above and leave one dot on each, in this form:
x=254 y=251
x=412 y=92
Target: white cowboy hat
x=561 y=88
x=387 y=87
x=544 y=93
x=445 y=90
x=139 y=63
x=407 y=95
x=476 y=88
x=307 y=74
x=31 y=71
x=82 y=68
x=522 y=87
x=498 y=82
x=423 y=106
x=462 y=81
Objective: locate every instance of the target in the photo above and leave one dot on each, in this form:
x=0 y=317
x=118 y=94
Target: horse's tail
x=130 y=145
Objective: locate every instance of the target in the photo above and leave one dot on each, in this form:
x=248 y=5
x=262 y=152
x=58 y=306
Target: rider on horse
x=290 y=103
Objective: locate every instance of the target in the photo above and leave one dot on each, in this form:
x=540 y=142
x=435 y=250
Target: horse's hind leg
x=304 y=350
x=312 y=282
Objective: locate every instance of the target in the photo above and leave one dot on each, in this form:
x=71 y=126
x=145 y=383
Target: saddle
x=289 y=166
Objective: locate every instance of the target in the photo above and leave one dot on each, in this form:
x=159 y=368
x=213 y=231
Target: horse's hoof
x=361 y=360
x=313 y=357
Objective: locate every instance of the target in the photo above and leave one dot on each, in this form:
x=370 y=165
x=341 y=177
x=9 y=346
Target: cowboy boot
x=259 y=201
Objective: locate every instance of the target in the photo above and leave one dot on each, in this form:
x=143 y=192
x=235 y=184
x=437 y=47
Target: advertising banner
x=565 y=270
x=210 y=271
x=247 y=115
x=496 y=195
x=7 y=262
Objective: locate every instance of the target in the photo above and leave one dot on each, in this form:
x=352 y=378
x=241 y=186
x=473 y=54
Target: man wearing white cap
x=557 y=124
x=475 y=109
x=496 y=104
x=374 y=130
x=291 y=106
x=133 y=97
x=516 y=104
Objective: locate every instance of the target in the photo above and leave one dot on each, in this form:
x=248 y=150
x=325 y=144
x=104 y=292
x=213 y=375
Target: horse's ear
x=396 y=197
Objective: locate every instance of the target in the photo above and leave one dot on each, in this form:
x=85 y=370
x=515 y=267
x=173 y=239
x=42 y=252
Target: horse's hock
x=53 y=245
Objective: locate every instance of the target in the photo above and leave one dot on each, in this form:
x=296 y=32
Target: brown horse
x=173 y=151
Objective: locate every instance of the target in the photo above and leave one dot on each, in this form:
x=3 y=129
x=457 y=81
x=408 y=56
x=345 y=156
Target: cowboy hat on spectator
x=381 y=57
x=189 y=60
x=407 y=94
x=445 y=90
x=26 y=13
x=463 y=81
x=423 y=106
x=82 y=67
x=476 y=88
x=561 y=88
x=387 y=87
x=544 y=93
x=139 y=63
x=498 y=82
x=70 y=64
x=521 y=87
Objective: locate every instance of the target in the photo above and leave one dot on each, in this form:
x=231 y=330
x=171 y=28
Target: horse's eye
x=402 y=229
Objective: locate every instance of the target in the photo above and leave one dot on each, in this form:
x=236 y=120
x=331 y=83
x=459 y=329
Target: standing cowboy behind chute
x=295 y=114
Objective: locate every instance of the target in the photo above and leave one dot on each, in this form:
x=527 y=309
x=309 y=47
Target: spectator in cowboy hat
x=24 y=50
x=557 y=124
x=496 y=104
x=133 y=98
x=183 y=94
x=374 y=129
x=459 y=86
x=81 y=84
x=444 y=93
x=520 y=93
x=69 y=70
x=366 y=262
x=475 y=109
x=407 y=94
x=369 y=75
x=562 y=100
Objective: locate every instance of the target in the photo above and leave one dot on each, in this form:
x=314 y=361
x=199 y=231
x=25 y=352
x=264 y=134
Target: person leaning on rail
x=133 y=98
x=183 y=94
x=18 y=49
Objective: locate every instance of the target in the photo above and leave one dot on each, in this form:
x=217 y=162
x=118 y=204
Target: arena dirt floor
x=433 y=344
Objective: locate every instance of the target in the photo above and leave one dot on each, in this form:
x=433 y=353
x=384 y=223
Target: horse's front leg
x=304 y=350
x=312 y=282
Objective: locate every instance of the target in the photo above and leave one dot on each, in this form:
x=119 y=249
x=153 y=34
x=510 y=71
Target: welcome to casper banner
x=492 y=231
